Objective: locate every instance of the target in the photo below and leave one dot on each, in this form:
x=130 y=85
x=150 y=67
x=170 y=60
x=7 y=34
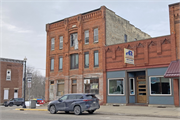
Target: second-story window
x=96 y=58
x=60 y=63
x=96 y=35
x=52 y=64
x=73 y=39
x=61 y=42
x=86 y=36
x=74 y=62
x=86 y=59
x=52 y=43
x=125 y=38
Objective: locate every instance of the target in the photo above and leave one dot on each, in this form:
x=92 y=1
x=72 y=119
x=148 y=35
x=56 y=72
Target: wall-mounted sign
x=128 y=56
x=8 y=74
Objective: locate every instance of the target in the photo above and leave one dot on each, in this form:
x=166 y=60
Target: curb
x=23 y=109
x=142 y=115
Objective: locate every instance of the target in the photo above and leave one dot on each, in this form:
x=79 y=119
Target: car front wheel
x=52 y=109
x=77 y=110
x=11 y=104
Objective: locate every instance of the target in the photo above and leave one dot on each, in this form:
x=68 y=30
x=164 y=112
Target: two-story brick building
x=75 y=46
x=153 y=78
x=11 y=78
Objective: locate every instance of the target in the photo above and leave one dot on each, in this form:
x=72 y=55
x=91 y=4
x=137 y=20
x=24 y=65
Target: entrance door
x=15 y=93
x=141 y=89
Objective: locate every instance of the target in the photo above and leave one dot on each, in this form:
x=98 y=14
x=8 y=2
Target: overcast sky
x=23 y=22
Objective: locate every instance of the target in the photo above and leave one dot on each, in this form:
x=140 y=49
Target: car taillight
x=87 y=100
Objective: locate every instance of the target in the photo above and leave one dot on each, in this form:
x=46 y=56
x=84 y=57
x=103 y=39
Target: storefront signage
x=128 y=56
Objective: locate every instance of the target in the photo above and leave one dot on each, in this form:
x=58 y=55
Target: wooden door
x=141 y=89
x=74 y=88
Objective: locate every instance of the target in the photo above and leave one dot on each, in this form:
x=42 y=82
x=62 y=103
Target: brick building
x=11 y=78
x=153 y=79
x=75 y=47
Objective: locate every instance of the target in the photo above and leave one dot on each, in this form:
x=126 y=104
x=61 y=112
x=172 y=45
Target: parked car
x=75 y=102
x=40 y=101
x=14 y=101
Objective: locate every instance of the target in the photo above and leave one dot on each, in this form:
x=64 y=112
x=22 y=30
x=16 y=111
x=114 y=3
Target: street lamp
x=24 y=105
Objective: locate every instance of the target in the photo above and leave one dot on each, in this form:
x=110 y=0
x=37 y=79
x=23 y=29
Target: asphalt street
x=9 y=113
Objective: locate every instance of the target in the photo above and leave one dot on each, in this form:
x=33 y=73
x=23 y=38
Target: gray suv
x=14 y=101
x=75 y=102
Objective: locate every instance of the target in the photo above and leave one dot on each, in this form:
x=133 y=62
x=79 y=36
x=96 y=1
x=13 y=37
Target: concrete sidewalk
x=131 y=111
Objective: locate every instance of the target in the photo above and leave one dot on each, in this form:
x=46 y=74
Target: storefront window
x=116 y=86
x=91 y=86
x=160 y=85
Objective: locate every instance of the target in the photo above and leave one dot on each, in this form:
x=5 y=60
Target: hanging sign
x=128 y=56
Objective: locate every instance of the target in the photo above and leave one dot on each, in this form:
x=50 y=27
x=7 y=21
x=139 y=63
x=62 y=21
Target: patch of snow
x=28 y=103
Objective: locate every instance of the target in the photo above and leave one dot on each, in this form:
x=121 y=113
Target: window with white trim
x=73 y=39
x=116 y=86
x=86 y=59
x=8 y=74
x=86 y=36
x=96 y=35
x=52 y=64
x=160 y=85
x=60 y=63
x=52 y=43
x=132 y=86
x=61 y=42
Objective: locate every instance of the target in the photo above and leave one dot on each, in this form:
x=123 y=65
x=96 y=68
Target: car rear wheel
x=52 y=109
x=11 y=104
x=91 y=111
x=77 y=110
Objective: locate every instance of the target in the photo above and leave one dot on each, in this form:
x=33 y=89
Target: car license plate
x=94 y=102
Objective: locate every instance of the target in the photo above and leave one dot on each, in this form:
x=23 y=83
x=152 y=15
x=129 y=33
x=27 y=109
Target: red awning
x=173 y=70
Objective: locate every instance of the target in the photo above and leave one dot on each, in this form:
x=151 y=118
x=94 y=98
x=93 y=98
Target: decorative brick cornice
x=57 y=25
x=92 y=15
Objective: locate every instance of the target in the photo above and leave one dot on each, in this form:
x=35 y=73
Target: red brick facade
x=148 y=53
x=78 y=24
x=16 y=77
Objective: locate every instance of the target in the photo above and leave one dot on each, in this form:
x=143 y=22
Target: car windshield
x=90 y=96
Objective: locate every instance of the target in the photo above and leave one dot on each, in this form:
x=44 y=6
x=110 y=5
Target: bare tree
x=37 y=89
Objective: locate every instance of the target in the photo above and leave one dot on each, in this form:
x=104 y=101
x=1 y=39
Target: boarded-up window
x=74 y=86
x=60 y=88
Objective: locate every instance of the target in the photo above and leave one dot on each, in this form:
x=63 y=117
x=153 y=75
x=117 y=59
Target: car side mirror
x=60 y=100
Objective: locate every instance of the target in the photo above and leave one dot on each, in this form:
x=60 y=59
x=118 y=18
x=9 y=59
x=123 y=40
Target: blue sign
x=130 y=53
